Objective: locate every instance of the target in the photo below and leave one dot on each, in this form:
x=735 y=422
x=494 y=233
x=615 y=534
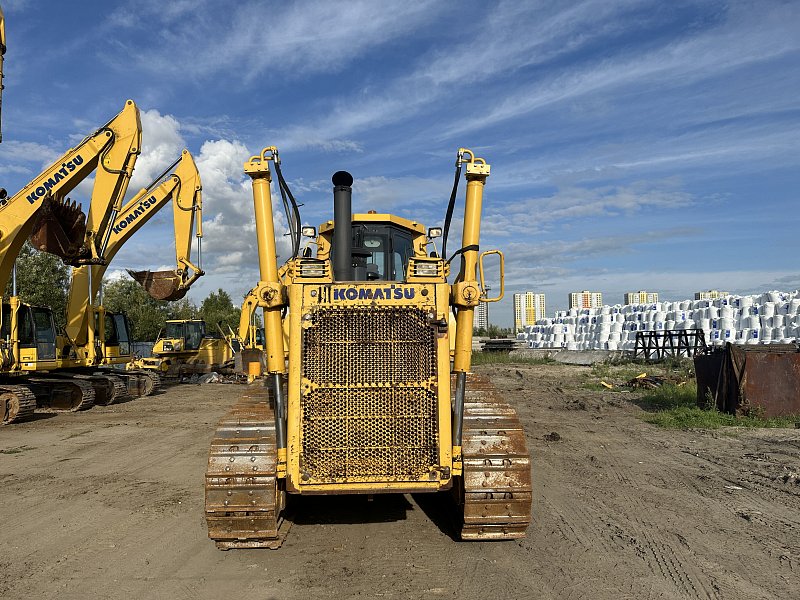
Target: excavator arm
x=247 y=326
x=41 y=211
x=183 y=187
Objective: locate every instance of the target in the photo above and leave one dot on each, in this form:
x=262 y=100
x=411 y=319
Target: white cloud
x=254 y=38
x=162 y=144
x=744 y=39
x=22 y=152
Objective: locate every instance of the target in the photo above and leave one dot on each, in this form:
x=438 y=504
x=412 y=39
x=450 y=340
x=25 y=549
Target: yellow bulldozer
x=365 y=395
x=185 y=347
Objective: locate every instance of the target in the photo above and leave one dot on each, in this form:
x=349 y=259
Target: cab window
x=194 y=334
x=173 y=330
x=376 y=261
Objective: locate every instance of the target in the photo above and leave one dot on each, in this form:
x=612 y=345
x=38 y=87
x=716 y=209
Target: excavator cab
x=117 y=338
x=36 y=332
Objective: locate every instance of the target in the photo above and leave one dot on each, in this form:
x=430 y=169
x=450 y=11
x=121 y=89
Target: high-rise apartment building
x=641 y=297
x=710 y=295
x=480 y=317
x=585 y=299
x=528 y=308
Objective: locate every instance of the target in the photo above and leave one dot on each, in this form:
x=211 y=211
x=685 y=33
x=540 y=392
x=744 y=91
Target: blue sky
x=634 y=145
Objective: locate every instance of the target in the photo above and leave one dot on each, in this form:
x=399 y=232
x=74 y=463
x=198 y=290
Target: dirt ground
x=109 y=504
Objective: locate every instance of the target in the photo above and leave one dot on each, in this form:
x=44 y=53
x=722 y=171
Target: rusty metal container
x=764 y=379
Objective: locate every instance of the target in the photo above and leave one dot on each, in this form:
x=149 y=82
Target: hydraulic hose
x=294 y=218
x=450 y=207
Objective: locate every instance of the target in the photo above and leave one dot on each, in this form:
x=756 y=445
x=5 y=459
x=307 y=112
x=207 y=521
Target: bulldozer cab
x=381 y=245
x=190 y=333
x=380 y=252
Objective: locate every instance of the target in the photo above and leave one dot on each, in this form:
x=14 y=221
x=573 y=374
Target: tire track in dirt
x=673 y=562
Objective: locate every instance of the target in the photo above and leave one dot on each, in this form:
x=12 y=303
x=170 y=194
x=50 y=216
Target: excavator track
x=244 y=499
x=495 y=492
x=62 y=394
x=108 y=389
x=17 y=403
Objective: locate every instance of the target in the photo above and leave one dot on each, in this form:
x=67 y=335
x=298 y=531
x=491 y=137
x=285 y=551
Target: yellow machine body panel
x=369 y=394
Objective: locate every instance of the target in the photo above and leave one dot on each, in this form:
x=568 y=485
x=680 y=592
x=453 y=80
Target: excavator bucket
x=161 y=285
x=59 y=228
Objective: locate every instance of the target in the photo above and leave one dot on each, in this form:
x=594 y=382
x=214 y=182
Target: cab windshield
x=380 y=252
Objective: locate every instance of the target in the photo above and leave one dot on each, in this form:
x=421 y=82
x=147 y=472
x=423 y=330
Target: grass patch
x=685 y=417
x=503 y=358
x=618 y=372
x=596 y=387
x=675 y=407
x=670 y=396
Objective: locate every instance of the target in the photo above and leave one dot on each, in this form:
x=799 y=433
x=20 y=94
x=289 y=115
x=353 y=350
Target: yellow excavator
x=42 y=213
x=363 y=396
x=94 y=337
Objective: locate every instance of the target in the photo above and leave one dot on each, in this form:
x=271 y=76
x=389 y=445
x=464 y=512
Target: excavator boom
x=41 y=210
x=184 y=188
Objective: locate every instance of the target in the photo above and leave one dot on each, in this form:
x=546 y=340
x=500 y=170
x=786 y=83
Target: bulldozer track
x=62 y=394
x=495 y=491
x=139 y=382
x=17 y=403
x=244 y=500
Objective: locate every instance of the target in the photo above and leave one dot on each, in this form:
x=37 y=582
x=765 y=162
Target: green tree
x=495 y=331
x=146 y=314
x=217 y=307
x=42 y=280
x=183 y=309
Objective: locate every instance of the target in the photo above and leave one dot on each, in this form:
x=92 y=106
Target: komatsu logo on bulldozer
x=392 y=292
x=135 y=214
x=49 y=183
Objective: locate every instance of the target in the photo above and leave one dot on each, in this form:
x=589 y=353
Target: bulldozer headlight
x=427 y=269
x=309 y=232
x=434 y=232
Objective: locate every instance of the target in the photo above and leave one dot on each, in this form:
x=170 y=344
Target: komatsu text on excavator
x=370 y=390
x=42 y=213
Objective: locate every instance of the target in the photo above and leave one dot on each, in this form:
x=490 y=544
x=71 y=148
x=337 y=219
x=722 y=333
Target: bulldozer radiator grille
x=370 y=409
